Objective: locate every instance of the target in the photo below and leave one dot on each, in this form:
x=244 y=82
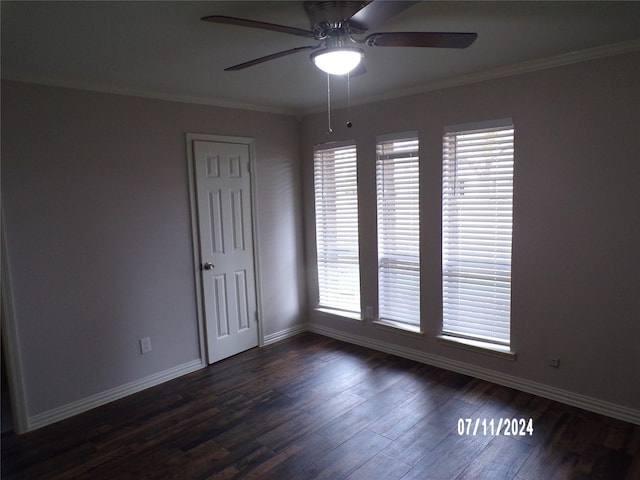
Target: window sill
x=335 y=313
x=399 y=327
x=478 y=346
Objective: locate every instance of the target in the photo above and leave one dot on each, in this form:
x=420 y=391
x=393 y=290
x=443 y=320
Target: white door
x=223 y=189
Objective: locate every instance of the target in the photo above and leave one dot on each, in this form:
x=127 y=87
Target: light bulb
x=337 y=61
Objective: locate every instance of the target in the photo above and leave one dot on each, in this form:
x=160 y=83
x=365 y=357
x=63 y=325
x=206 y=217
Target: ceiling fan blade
x=255 y=24
x=266 y=58
x=421 y=39
x=377 y=12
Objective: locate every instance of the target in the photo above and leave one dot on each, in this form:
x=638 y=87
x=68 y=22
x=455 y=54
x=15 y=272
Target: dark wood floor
x=315 y=408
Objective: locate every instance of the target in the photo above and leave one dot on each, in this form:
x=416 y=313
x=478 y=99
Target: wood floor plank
x=426 y=434
x=550 y=463
x=448 y=459
x=308 y=421
x=347 y=457
x=632 y=448
x=264 y=415
x=306 y=451
x=501 y=459
x=381 y=466
x=199 y=460
x=309 y=408
x=406 y=414
x=381 y=376
x=359 y=417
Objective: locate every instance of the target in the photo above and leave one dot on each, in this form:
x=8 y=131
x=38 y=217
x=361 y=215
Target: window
x=477 y=206
x=336 y=201
x=397 y=169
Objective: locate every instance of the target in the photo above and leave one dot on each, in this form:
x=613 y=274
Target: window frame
x=499 y=344
x=398 y=236
x=330 y=292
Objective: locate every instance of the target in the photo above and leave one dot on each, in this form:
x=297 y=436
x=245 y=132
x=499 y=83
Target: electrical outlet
x=554 y=362
x=145 y=345
x=368 y=312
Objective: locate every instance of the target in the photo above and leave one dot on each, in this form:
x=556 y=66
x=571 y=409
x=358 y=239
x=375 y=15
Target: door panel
x=223 y=189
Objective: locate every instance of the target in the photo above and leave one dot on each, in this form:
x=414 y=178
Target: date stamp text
x=516 y=427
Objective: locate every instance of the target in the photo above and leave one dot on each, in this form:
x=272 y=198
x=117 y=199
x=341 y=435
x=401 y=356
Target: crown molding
x=569 y=58
x=144 y=93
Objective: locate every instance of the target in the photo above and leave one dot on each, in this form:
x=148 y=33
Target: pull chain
x=330 y=130
x=349 y=124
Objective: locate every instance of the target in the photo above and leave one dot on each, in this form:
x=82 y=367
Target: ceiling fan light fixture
x=337 y=61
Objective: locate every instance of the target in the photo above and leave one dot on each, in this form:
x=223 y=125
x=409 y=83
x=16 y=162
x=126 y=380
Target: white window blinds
x=477 y=205
x=397 y=172
x=336 y=201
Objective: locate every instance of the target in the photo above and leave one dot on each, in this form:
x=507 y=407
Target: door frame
x=195 y=232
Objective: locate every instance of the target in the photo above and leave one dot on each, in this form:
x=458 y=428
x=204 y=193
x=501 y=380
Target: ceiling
x=163 y=49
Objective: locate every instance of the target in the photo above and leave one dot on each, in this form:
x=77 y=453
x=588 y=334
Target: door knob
x=208 y=266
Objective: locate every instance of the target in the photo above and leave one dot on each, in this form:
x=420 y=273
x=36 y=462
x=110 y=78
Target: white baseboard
x=564 y=396
x=286 y=333
x=102 y=398
x=93 y=401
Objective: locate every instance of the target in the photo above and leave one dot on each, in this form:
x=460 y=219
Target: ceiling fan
x=336 y=25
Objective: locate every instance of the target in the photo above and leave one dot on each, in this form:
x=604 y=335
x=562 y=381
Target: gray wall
x=96 y=205
x=576 y=235
x=96 y=200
